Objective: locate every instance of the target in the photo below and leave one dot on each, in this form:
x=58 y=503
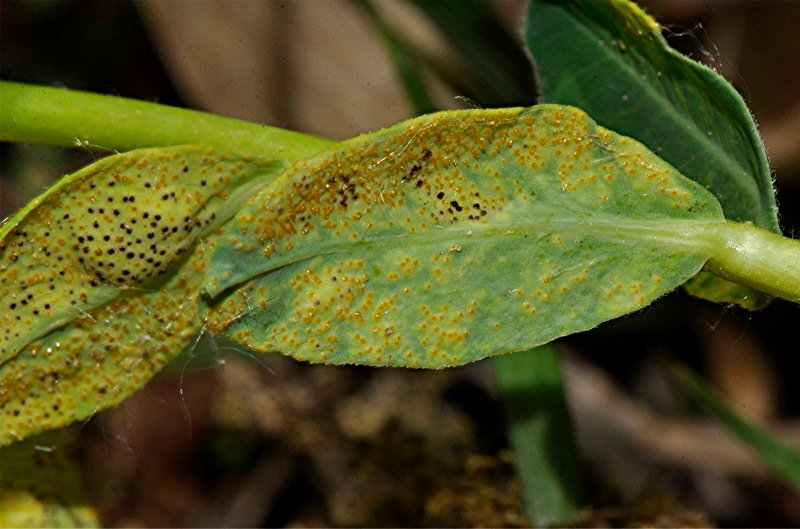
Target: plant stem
x=540 y=432
x=57 y=116
x=757 y=258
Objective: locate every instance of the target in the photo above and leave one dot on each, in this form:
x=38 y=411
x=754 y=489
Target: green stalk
x=540 y=431
x=737 y=251
x=760 y=259
x=57 y=116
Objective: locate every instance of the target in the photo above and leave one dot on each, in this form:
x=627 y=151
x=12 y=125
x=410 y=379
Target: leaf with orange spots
x=100 y=279
x=610 y=59
x=456 y=236
x=106 y=231
x=96 y=361
x=40 y=486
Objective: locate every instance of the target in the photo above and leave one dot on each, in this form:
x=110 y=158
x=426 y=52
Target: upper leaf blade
x=610 y=59
x=453 y=237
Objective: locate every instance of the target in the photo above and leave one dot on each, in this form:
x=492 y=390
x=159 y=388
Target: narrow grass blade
x=405 y=63
x=541 y=434
x=489 y=50
x=781 y=459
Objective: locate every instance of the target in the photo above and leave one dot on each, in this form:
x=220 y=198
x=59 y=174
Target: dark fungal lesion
x=454 y=207
x=137 y=240
x=416 y=167
x=345 y=189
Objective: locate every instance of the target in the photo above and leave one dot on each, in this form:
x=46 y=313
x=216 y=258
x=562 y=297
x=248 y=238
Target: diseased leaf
x=108 y=230
x=96 y=361
x=530 y=386
x=610 y=59
x=40 y=486
x=453 y=237
x=100 y=279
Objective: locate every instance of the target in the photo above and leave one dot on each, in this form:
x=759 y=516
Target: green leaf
x=40 y=486
x=707 y=286
x=782 y=459
x=100 y=278
x=610 y=59
x=456 y=236
x=541 y=434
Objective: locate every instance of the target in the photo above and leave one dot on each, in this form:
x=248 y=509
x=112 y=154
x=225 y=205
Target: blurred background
x=226 y=438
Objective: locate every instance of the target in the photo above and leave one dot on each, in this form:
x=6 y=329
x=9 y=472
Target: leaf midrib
x=685 y=236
